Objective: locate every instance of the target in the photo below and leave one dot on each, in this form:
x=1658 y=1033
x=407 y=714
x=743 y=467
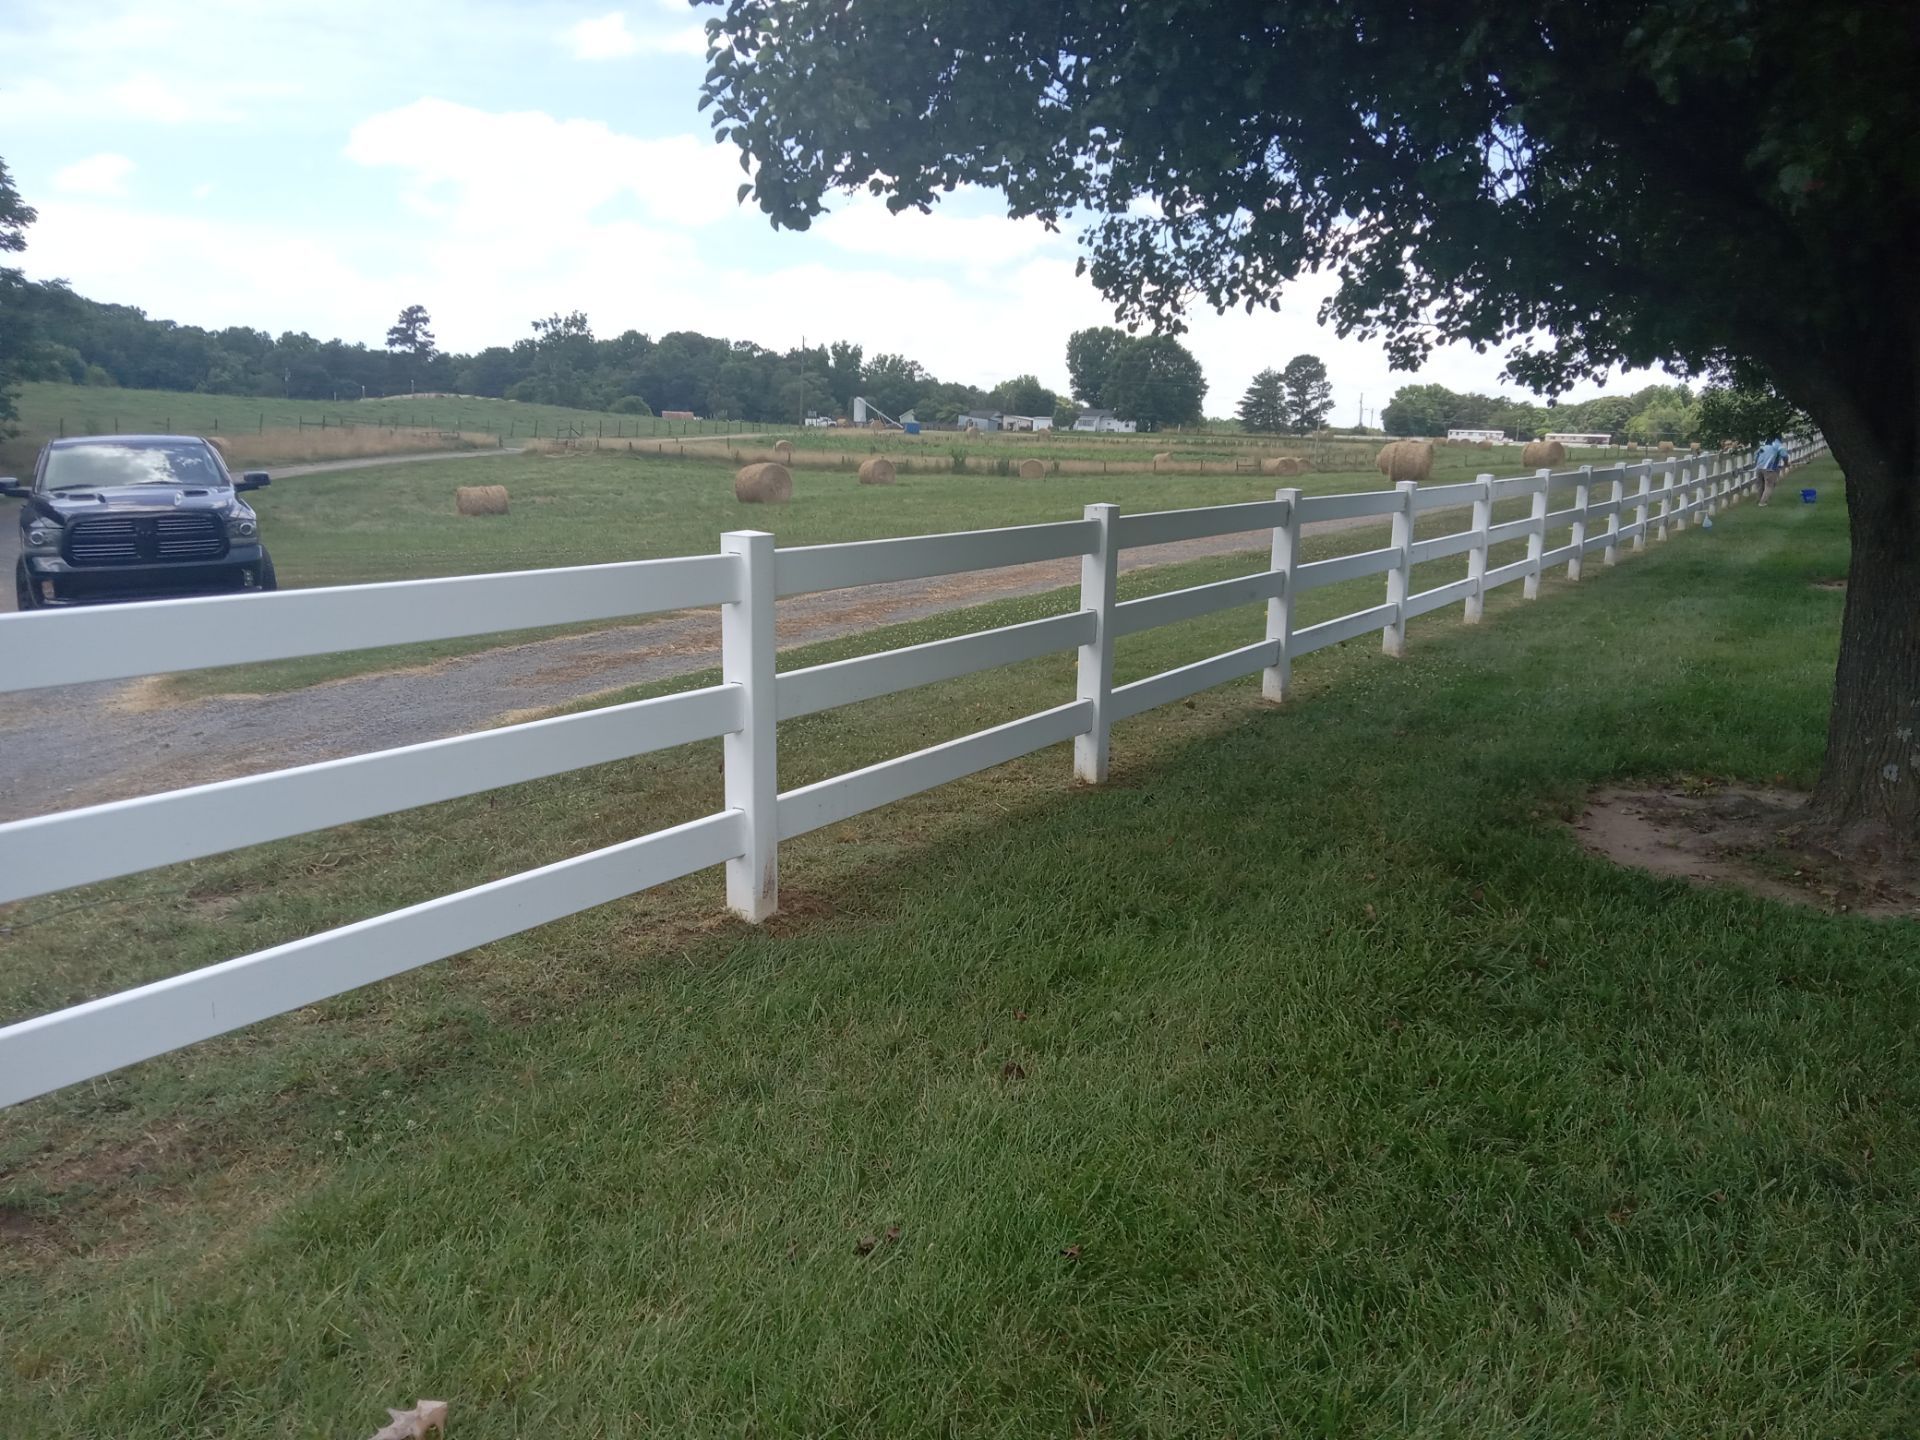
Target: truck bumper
x=59 y=583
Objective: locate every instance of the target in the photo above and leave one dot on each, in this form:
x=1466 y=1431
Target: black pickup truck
x=135 y=517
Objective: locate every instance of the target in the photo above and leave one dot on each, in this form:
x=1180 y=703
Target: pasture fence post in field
x=1617 y=497
x=1582 y=494
x=1640 y=509
x=1277 y=679
x=1099 y=570
x=749 y=755
x=1666 y=500
x=1393 y=635
x=1476 y=601
x=1537 y=535
x=1685 y=498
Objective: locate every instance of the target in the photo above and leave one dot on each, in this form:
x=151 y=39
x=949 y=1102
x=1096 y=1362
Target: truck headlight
x=245 y=529
x=43 y=537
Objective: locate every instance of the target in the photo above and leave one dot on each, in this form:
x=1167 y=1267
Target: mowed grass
x=1308 y=1079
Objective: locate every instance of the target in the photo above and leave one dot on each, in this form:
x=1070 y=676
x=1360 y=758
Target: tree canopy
x=1156 y=382
x=1308 y=392
x=1699 y=185
x=1090 y=357
x=16 y=298
x=1263 y=409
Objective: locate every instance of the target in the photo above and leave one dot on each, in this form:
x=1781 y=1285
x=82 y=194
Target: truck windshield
x=133 y=462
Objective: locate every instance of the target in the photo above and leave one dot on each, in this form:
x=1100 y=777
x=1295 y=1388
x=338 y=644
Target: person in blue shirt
x=1771 y=462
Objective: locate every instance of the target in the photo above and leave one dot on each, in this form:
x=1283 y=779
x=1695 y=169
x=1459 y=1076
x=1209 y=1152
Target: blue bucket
x=1807 y=497
x=912 y=427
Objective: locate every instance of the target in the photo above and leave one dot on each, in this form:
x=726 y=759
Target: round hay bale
x=1406 y=460
x=480 y=499
x=1666 y=447
x=877 y=471
x=783 y=450
x=764 y=484
x=1163 y=457
x=1483 y=444
x=219 y=442
x=1032 y=469
x=1542 y=454
x=1288 y=465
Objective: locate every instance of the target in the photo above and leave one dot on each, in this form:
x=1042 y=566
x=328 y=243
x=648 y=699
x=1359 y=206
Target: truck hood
x=146 y=498
x=63 y=506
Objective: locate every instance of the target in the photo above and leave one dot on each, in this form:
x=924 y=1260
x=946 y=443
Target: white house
x=1103 y=422
x=1571 y=438
x=1498 y=437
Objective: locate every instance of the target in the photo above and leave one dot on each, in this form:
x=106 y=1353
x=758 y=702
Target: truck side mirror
x=253 y=480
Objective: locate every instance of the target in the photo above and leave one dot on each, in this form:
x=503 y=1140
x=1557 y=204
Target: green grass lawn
x=1308 y=1079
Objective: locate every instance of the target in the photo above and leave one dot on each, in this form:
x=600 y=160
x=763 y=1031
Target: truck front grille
x=146 y=539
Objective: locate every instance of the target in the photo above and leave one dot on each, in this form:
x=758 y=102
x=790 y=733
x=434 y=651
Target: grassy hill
x=48 y=410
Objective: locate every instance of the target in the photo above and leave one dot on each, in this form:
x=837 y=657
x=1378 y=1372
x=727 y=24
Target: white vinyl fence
x=1608 y=510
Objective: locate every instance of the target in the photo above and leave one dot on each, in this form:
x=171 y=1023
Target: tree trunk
x=1871 y=775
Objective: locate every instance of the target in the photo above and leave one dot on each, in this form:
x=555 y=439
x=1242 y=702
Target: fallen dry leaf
x=1013 y=1070
x=1072 y=1252
x=864 y=1245
x=426 y=1417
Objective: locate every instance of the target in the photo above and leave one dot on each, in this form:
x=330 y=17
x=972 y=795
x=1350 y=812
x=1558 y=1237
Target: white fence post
x=749 y=754
x=1686 y=497
x=1393 y=635
x=1643 y=494
x=1098 y=572
x=1537 y=539
x=1582 y=494
x=1617 y=494
x=1666 y=499
x=1277 y=679
x=1476 y=604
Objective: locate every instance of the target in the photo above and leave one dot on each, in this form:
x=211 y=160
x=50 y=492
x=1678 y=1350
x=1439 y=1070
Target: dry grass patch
x=1756 y=839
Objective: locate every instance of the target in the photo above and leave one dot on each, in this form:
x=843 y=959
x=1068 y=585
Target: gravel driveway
x=84 y=744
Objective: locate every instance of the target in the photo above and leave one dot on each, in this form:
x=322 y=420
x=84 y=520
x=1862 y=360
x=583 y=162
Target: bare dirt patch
x=1834 y=584
x=1754 y=838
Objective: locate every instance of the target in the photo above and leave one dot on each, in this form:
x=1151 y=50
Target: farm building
x=1103 y=422
x=1498 y=437
x=678 y=415
x=1026 y=422
x=978 y=419
x=1571 y=438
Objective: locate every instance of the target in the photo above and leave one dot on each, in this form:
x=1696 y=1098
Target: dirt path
x=83 y=744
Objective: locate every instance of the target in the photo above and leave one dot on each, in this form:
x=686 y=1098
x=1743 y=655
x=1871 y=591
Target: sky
x=318 y=167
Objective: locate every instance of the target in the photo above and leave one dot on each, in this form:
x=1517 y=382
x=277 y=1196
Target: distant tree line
x=1648 y=415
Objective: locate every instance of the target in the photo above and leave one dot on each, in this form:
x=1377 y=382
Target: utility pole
x=1360 y=415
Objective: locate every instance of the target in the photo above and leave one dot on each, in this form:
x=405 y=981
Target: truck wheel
x=25 y=596
x=267 y=579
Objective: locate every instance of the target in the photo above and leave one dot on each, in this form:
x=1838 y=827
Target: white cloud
x=104 y=174
x=864 y=226
x=606 y=37
x=562 y=172
x=148 y=97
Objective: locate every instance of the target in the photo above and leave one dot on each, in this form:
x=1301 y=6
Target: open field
x=1307 y=1079
x=1191 y=452
x=398 y=522
x=48 y=410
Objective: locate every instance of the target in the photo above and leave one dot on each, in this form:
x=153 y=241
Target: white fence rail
x=78 y=847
